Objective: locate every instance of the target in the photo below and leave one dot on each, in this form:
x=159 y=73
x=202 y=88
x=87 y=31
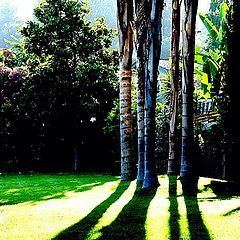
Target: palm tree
x=125 y=33
x=188 y=173
x=140 y=23
x=172 y=159
x=153 y=48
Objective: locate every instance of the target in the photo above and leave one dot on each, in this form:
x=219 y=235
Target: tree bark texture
x=173 y=167
x=76 y=159
x=188 y=173
x=140 y=24
x=125 y=33
x=153 y=48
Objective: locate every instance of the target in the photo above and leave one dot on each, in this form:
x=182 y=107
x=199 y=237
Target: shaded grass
x=101 y=207
x=23 y=188
x=233 y=211
x=130 y=223
x=173 y=209
x=196 y=225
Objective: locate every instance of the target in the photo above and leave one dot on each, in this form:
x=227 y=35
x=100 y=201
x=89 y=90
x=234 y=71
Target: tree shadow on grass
x=20 y=188
x=130 y=223
x=81 y=229
x=233 y=211
x=197 y=228
x=173 y=208
x=224 y=190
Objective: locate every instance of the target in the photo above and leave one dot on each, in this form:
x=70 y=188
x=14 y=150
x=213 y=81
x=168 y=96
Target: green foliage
x=211 y=145
x=211 y=59
x=162 y=133
x=219 y=68
x=70 y=87
x=209 y=25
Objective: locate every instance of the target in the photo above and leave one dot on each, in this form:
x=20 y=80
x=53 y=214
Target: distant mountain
x=9 y=22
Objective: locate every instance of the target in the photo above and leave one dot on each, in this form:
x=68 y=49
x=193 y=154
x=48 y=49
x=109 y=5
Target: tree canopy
x=70 y=86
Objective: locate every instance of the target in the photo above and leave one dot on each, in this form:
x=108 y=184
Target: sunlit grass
x=75 y=207
x=44 y=218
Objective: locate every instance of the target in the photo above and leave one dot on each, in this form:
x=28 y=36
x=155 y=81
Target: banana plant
x=209 y=61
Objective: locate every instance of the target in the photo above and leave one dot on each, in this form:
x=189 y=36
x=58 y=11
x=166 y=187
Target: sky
x=24 y=7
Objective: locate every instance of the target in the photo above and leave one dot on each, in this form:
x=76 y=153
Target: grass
x=89 y=206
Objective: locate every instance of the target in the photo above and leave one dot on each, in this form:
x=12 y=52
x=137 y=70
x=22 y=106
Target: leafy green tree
x=11 y=80
x=71 y=85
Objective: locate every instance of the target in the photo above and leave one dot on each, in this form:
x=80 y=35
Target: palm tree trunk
x=140 y=23
x=153 y=43
x=173 y=167
x=76 y=159
x=125 y=15
x=188 y=173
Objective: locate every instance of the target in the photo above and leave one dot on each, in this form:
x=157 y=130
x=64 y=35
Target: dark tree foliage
x=221 y=140
x=231 y=67
x=71 y=86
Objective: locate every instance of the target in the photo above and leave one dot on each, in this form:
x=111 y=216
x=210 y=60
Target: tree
x=140 y=23
x=188 y=172
x=231 y=123
x=125 y=33
x=70 y=88
x=212 y=68
x=172 y=159
x=153 y=48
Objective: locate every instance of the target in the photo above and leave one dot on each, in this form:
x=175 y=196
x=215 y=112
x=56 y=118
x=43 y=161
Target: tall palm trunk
x=173 y=158
x=153 y=47
x=141 y=31
x=188 y=173
x=125 y=15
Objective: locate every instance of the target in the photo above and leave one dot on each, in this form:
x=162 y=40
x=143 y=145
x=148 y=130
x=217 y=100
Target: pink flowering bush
x=11 y=81
x=4 y=72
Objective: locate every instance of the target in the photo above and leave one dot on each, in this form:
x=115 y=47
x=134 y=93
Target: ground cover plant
x=92 y=206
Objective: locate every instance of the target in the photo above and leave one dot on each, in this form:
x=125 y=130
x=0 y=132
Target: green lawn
x=92 y=206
